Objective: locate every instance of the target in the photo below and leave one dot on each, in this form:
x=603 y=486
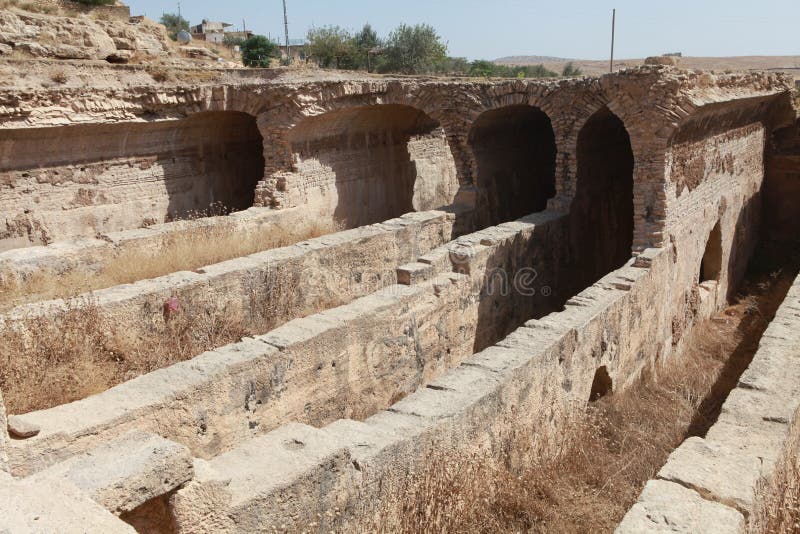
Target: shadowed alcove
x=515 y=153
x=367 y=164
x=601 y=215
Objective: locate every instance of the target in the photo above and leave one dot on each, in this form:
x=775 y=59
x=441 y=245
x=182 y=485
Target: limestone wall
x=712 y=481
x=782 y=188
x=364 y=165
x=350 y=361
x=106 y=178
x=525 y=385
x=717 y=179
x=266 y=289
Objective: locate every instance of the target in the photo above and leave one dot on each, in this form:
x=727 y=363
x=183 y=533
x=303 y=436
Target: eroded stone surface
x=127 y=472
x=669 y=507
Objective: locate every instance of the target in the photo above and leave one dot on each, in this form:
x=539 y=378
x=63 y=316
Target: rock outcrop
x=79 y=38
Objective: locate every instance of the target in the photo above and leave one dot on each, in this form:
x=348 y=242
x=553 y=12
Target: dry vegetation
x=182 y=251
x=82 y=352
x=778 y=499
x=605 y=458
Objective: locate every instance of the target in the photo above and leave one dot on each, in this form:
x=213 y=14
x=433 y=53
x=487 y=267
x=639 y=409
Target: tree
x=257 y=51
x=231 y=41
x=174 y=24
x=414 y=49
x=330 y=46
x=482 y=68
x=364 y=42
x=571 y=71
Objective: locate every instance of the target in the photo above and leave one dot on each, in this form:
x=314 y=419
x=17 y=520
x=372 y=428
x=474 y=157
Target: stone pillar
x=3 y=436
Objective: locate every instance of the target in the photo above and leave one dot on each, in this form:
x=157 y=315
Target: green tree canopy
x=174 y=23
x=330 y=46
x=571 y=71
x=257 y=51
x=414 y=50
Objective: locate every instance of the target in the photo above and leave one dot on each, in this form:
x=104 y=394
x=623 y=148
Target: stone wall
x=105 y=178
x=782 y=188
x=365 y=165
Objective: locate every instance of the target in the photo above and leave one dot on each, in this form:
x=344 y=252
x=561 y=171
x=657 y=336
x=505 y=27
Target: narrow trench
x=628 y=436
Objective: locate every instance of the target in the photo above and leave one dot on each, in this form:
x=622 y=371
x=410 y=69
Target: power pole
x=286 y=27
x=613 y=29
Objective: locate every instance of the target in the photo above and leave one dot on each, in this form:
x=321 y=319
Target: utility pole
x=286 y=27
x=613 y=29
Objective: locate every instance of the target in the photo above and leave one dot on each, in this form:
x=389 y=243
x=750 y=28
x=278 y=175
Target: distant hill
x=789 y=64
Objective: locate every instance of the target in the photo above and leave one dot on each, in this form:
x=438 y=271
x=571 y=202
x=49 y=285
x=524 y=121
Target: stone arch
x=711 y=262
x=280 y=188
x=362 y=164
x=118 y=176
x=601 y=216
x=513 y=159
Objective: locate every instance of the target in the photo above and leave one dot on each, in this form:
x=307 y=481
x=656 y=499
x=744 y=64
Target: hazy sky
x=494 y=28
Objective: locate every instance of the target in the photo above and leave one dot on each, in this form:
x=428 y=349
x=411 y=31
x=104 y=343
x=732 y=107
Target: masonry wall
x=782 y=187
x=72 y=181
x=366 y=164
x=715 y=179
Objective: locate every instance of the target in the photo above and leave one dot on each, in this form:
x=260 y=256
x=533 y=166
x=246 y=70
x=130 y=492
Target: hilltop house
x=215 y=32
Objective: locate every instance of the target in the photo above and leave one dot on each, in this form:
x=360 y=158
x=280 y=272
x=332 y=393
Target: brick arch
x=278 y=123
x=648 y=131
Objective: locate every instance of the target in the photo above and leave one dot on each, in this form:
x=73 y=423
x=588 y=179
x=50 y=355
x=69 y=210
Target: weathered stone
x=127 y=472
x=21 y=428
x=668 y=507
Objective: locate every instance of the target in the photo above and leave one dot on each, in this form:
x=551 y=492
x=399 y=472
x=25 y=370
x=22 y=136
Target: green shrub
x=257 y=51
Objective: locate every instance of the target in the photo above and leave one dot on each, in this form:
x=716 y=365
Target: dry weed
x=778 y=498
x=81 y=352
x=182 y=251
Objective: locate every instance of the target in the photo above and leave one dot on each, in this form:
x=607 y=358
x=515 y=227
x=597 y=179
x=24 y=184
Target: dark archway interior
x=515 y=150
x=601 y=215
x=602 y=384
x=367 y=174
x=224 y=152
x=711 y=264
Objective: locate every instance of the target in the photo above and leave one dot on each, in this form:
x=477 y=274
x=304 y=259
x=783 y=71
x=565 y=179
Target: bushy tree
x=482 y=68
x=174 y=24
x=570 y=71
x=331 y=46
x=231 y=41
x=414 y=50
x=364 y=42
x=257 y=51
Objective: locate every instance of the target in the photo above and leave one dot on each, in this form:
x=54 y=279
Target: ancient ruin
x=392 y=267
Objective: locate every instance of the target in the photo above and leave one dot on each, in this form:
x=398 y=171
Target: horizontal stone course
x=472 y=406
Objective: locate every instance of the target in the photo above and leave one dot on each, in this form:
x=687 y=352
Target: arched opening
x=110 y=177
x=220 y=159
x=368 y=164
x=602 y=384
x=601 y=215
x=515 y=152
x=711 y=264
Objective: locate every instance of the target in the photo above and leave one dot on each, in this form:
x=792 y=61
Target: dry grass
x=604 y=459
x=778 y=499
x=81 y=352
x=182 y=251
